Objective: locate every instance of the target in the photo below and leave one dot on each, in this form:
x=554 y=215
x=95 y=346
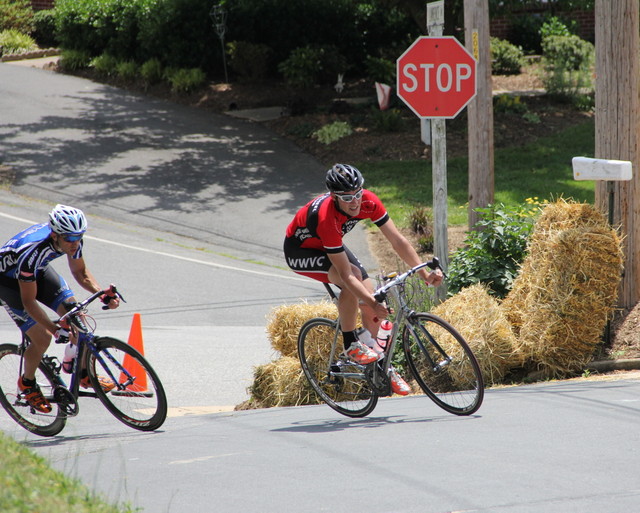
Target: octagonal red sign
x=436 y=77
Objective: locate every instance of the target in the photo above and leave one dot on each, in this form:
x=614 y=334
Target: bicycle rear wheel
x=443 y=364
x=38 y=423
x=339 y=383
x=138 y=399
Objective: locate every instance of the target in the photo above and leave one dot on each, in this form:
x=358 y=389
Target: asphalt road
x=187 y=210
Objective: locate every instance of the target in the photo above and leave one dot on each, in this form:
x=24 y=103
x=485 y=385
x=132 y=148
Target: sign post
x=436 y=78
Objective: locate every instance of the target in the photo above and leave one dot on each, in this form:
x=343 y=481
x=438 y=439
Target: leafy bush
x=105 y=64
x=509 y=103
x=185 y=80
x=568 y=52
x=421 y=223
x=493 y=250
x=390 y=120
x=311 y=65
x=381 y=70
x=568 y=62
x=180 y=34
x=151 y=71
x=73 y=60
x=250 y=61
x=525 y=33
x=127 y=70
x=16 y=15
x=554 y=27
x=13 y=41
x=333 y=132
x=506 y=58
x=45 y=28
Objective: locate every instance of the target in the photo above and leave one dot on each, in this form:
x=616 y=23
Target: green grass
x=28 y=484
x=541 y=169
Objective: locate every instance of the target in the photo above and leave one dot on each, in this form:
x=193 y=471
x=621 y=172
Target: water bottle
x=70 y=351
x=384 y=334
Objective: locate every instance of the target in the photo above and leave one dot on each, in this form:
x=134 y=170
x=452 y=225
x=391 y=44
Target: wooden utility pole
x=617 y=126
x=480 y=109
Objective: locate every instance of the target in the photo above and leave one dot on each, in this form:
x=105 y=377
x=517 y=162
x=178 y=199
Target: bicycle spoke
x=137 y=397
x=43 y=424
x=338 y=382
x=443 y=365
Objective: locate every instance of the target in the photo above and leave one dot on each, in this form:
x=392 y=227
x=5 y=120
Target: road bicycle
x=440 y=360
x=137 y=397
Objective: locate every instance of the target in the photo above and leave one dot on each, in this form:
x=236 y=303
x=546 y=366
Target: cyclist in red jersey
x=313 y=247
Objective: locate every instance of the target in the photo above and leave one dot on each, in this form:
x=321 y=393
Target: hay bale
x=280 y=383
x=284 y=323
x=479 y=319
x=555 y=217
x=566 y=290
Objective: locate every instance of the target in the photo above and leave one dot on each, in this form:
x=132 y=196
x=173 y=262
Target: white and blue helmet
x=67 y=220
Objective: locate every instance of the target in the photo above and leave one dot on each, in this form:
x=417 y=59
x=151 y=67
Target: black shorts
x=315 y=263
x=52 y=291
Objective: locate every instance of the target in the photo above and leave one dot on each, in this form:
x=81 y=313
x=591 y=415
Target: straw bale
x=284 y=323
x=555 y=217
x=566 y=292
x=281 y=383
x=479 y=319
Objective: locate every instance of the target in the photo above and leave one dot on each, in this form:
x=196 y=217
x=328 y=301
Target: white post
x=435 y=27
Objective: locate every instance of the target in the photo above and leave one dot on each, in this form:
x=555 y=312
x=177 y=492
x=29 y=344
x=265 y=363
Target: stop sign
x=436 y=77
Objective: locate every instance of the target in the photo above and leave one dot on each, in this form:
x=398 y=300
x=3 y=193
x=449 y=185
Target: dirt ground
x=303 y=112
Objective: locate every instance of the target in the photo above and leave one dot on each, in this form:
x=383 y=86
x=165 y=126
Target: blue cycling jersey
x=25 y=256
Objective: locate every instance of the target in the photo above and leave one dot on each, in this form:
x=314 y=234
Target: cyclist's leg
x=53 y=291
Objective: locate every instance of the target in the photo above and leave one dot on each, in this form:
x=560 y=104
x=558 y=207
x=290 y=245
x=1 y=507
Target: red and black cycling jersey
x=321 y=225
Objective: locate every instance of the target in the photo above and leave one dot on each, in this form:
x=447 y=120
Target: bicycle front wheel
x=38 y=423
x=339 y=383
x=137 y=398
x=443 y=364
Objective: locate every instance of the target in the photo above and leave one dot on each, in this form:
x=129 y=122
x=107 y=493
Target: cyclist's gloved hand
x=62 y=336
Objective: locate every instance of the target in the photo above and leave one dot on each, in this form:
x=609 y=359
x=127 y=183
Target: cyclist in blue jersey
x=27 y=280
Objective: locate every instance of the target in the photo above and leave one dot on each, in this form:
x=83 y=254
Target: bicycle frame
x=403 y=314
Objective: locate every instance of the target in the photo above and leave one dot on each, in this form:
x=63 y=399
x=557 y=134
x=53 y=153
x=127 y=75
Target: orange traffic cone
x=132 y=365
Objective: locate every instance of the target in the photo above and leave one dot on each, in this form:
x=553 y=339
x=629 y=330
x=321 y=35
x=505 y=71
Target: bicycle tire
x=142 y=404
x=41 y=424
x=443 y=364
x=350 y=396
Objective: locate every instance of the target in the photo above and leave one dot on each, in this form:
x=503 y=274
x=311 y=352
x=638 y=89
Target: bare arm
x=406 y=251
x=86 y=280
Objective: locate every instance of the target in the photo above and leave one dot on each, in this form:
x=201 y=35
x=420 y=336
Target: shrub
x=381 y=70
x=509 y=103
x=421 y=223
x=568 y=62
x=390 y=120
x=493 y=250
x=127 y=70
x=185 y=80
x=506 y=58
x=567 y=52
x=16 y=15
x=13 y=41
x=105 y=64
x=151 y=72
x=311 y=65
x=553 y=27
x=333 y=132
x=45 y=28
x=250 y=61
x=73 y=60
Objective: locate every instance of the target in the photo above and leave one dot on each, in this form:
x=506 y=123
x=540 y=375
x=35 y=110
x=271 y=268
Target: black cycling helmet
x=342 y=178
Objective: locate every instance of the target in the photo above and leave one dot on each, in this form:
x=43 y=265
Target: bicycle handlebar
x=381 y=293
x=112 y=291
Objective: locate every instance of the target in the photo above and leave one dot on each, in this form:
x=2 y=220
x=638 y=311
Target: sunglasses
x=348 y=198
x=72 y=238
